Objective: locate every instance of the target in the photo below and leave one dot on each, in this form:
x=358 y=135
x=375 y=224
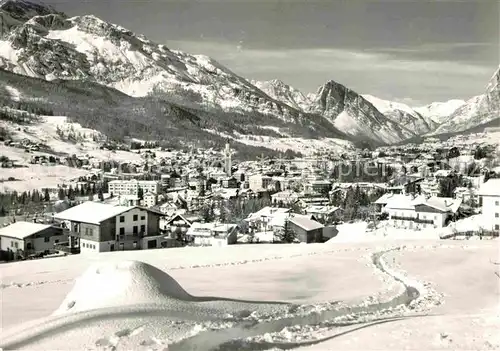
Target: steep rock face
x=403 y=115
x=440 y=111
x=477 y=111
x=354 y=115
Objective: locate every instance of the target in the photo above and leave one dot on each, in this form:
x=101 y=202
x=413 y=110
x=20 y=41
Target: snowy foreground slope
x=386 y=295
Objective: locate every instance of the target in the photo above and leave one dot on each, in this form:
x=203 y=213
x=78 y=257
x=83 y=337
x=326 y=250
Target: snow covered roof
x=490 y=188
x=21 y=230
x=404 y=202
x=267 y=211
x=92 y=212
x=444 y=204
x=306 y=223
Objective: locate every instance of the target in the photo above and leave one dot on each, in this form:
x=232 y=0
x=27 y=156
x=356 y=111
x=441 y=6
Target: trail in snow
x=242 y=330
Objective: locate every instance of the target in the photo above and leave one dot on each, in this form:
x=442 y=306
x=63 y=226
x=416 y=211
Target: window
x=135 y=244
x=497 y=227
x=136 y=217
x=122 y=231
x=496 y=203
x=56 y=241
x=143 y=228
x=134 y=230
x=496 y=215
x=122 y=219
x=143 y=218
x=46 y=239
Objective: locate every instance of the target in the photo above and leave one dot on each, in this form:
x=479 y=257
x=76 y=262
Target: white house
x=212 y=234
x=421 y=212
x=150 y=199
x=27 y=237
x=102 y=227
x=260 y=220
x=490 y=197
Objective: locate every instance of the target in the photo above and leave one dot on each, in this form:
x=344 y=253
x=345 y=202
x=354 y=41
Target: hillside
x=116 y=114
x=43 y=43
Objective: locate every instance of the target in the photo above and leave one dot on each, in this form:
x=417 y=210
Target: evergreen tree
x=82 y=191
x=287 y=235
x=60 y=194
x=100 y=195
x=46 y=196
x=71 y=193
x=140 y=193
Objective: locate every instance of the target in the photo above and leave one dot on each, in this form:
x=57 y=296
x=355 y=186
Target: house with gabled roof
x=102 y=227
x=26 y=238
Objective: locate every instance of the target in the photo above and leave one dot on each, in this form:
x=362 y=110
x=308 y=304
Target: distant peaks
x=24 y=10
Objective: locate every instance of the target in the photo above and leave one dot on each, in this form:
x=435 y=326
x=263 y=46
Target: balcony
x=129 y=237
x=413 y=219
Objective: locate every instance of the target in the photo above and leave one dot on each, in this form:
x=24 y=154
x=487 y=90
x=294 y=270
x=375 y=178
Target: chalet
x=259 y=221
x=421 y=212
x=212 y=234
x=325 y=214
x=102 y=227
x=306 y=230
x=26 y=238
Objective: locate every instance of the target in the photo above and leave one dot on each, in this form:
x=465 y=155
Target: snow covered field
x=262 y=296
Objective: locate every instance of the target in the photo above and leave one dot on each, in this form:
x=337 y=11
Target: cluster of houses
x=166 y=211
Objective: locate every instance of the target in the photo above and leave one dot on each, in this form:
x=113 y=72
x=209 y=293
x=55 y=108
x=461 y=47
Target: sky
x=411 y=51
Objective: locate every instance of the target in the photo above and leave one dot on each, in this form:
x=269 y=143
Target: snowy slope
x=440 y=111
x=403 y=115
x=252 y=297
x=283 y=92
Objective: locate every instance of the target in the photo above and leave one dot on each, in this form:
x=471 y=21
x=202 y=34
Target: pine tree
x=287 y=234
x=140 y=193
x=100 y=194
x=71 y=193
x=46 y=196
x=60 y=194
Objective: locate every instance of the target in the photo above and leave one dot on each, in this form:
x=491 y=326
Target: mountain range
x=177 y=92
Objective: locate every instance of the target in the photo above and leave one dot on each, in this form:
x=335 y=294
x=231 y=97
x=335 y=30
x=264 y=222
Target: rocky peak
x=24 y=10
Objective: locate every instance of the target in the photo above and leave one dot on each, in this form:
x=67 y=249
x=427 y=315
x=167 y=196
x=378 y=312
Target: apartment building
x=131 y=187
x=490 y=199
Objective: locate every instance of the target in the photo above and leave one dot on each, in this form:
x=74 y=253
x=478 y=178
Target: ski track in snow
x=234 y=263
x=310 y=323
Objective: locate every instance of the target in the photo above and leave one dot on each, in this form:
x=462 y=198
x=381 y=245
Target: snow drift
x=122 y=284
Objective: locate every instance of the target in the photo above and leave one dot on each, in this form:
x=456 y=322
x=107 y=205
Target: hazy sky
x=414 y=51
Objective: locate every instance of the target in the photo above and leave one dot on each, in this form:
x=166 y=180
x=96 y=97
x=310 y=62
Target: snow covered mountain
x=440 y=111
x=477 y=111
x=43 y=43
x=403 y=114
x=354 y=115
x=52 y=46
x=283 y=92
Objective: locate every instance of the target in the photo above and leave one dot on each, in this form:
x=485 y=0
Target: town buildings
x=131 y=187
x=490 y=199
